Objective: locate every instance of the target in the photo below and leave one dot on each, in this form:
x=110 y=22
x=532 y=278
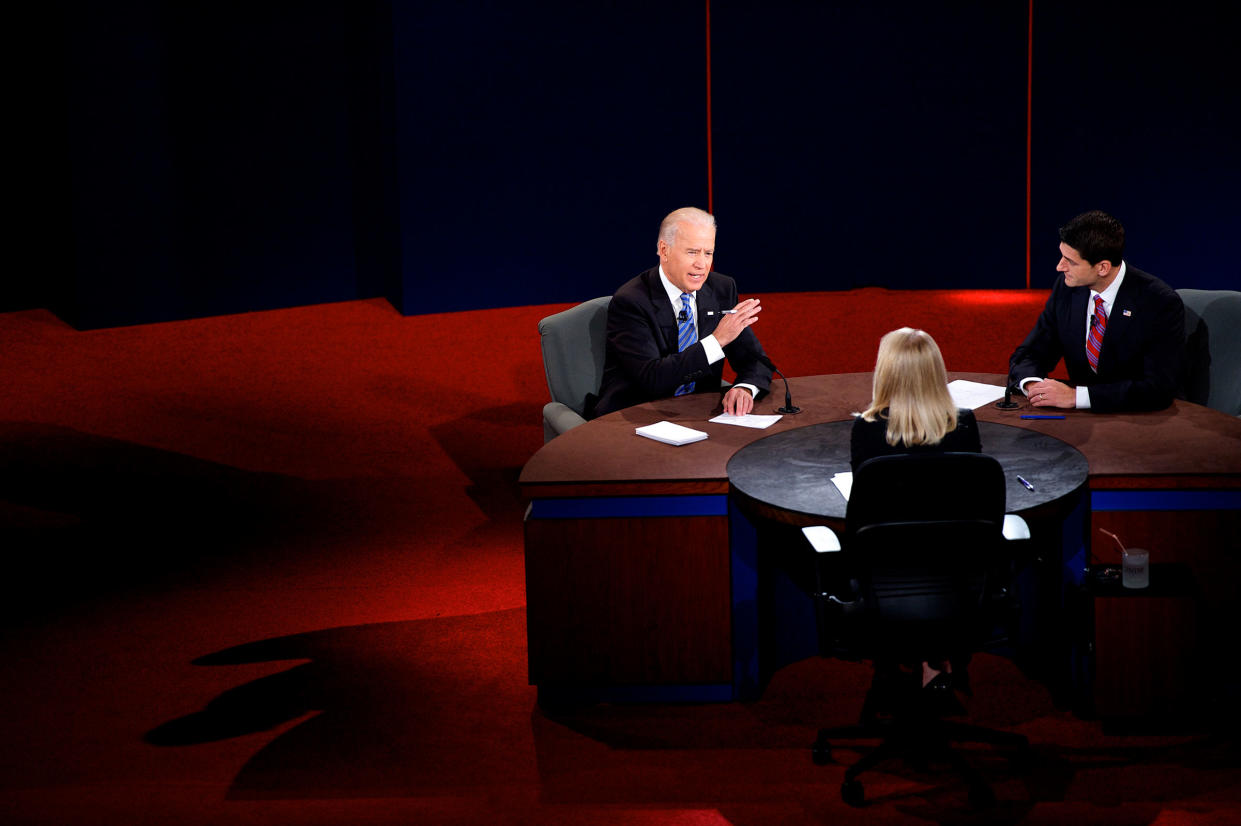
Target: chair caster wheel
x=821 y=752
x=981 y=797
x=851 y=792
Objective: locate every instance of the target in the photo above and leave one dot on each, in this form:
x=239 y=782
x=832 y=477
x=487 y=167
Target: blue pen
x=1024 y=483
x=1028 y=416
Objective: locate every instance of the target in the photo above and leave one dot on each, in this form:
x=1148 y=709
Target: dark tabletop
x=1186 y=445
x=789 y=474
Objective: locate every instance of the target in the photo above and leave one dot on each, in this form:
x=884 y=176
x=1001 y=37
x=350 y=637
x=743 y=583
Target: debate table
x=788 y=476
x=641 y=557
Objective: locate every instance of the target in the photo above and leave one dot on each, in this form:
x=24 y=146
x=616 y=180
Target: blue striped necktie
x=686 y=337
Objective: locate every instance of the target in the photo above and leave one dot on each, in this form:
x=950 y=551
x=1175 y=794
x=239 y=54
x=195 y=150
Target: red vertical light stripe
x=710 y=174
x=1029 y=121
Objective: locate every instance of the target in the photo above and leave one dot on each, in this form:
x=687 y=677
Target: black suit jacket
x=1141 y=362
x=642 y=363
x=869 y=439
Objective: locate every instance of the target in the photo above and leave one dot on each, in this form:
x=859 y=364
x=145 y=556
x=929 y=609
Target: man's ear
x=1105 y=268
x=661 y=249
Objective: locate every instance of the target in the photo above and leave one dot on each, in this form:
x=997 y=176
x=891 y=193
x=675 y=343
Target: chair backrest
x=924 y=536
x=573 y=343
x=1213 y=348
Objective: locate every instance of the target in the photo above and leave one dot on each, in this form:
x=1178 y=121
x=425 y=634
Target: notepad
x=671 y=434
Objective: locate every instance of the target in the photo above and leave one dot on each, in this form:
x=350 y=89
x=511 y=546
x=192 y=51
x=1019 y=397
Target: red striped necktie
x=1094 y=341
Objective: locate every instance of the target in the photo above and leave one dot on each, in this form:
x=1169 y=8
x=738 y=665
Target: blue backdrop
x=207 y=158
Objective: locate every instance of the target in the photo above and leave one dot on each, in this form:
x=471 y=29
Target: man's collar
x=1109 y=294
x=674 y=293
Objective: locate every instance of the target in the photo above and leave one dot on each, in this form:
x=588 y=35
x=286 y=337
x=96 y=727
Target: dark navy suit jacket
x=642 y=363
x=1141 y=362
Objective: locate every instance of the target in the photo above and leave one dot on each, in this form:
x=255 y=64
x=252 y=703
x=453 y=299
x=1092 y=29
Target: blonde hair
x=911 y=382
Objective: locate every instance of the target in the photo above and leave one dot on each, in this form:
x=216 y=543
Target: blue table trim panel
x=612 y=507
x=743 y=558
x=1165 y=500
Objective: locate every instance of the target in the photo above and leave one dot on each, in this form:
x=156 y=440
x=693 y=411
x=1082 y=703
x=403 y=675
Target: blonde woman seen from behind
x=911 y=411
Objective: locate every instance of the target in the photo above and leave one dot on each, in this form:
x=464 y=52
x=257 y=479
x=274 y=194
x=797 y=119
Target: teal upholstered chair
x=573 y=344
x=1213 y=346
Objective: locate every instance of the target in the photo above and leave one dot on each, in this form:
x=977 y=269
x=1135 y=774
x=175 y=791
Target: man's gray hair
x=684 y=215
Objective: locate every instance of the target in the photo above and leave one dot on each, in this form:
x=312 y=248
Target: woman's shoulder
x=865 y=435
x=861 y=423
x=967 y=435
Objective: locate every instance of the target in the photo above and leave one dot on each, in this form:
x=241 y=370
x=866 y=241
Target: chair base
x=917 y=733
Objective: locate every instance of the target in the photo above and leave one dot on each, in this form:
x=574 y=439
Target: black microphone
x=682 y=318
x=1008 y=403
x=788 y=397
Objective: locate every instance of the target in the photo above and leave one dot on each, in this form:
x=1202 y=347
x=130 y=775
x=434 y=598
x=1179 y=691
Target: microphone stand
x=1008 y=403
x=788 y=408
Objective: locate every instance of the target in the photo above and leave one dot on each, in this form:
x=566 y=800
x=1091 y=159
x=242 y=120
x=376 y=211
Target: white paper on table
x=759 y=422
x=973 y=394
x=843 y=482
x=672 y=434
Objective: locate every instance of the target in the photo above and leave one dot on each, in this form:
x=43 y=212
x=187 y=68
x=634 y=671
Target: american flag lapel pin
x=1126 y=313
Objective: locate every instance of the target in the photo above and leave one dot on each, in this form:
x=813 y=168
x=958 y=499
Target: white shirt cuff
x=1083 y=398
x=714 y=351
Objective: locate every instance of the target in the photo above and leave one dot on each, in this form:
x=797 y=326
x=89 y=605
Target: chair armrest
x=558 y=418
x=822 y=538
x=1015 y=527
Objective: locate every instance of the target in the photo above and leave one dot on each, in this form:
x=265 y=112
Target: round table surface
x=790 y=473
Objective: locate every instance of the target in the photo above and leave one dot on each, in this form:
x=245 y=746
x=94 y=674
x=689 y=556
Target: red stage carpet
x=267 y=568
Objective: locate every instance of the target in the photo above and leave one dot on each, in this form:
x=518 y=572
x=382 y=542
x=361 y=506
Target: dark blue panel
x=120 y=160
x=1136 y=113
x=260 y=125
x=211 y=162
x=870 y=143
x=609 y=507
x=1074 y=546
x=1166 y=500
x=743 y=571
x=540 y=144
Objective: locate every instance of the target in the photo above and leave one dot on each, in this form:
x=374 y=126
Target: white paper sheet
x=973 y=394
x=843 y=482
x=759 y=422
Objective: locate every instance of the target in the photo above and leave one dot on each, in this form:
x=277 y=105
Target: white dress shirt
x=712 y=347
x=1109 y=299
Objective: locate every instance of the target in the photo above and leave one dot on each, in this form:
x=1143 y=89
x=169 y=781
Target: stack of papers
x=672 y=434
x=844 y=483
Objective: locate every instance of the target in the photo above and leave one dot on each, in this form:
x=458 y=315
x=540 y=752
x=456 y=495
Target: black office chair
x=923 y=573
